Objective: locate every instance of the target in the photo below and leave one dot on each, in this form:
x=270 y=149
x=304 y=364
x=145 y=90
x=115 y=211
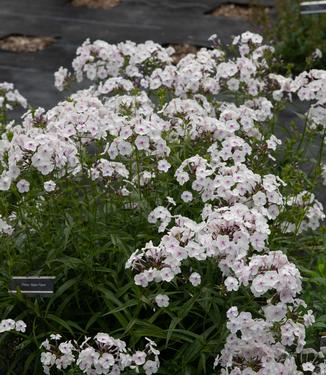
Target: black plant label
x=31 y=286
x=313 y=7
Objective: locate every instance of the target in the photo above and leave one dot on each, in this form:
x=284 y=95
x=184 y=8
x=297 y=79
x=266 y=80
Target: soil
x=238 y=11
x=182 y=50
x=20 y=43
x=104 y=4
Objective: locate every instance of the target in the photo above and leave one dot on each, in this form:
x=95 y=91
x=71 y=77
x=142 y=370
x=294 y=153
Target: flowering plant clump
x=165 y=204
x=109 y=357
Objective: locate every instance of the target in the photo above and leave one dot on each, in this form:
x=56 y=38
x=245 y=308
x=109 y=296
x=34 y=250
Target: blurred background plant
x=299 y=40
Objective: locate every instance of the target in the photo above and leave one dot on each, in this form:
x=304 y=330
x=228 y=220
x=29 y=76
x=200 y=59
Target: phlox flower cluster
x=32 y=146
x=251 y=347
x=54 y=143
x=217 y=181
x=10 y=97
x=272 y=271
x=308 y=87
x=5 y=228
x=209 y=72
x=313 y=214
x=101 y=355
x=105 y=168
x=225 y=233
x=101 y=60
x=7 y=325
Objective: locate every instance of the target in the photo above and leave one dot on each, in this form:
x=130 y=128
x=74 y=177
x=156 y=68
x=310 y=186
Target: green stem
x=317 y=170
x=321 y=150
x=138 y=173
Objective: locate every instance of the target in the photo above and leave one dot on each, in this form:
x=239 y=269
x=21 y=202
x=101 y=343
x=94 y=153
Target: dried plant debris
x=104 y=4
x=21 y=43
x=182 y=50
x=238 y=11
